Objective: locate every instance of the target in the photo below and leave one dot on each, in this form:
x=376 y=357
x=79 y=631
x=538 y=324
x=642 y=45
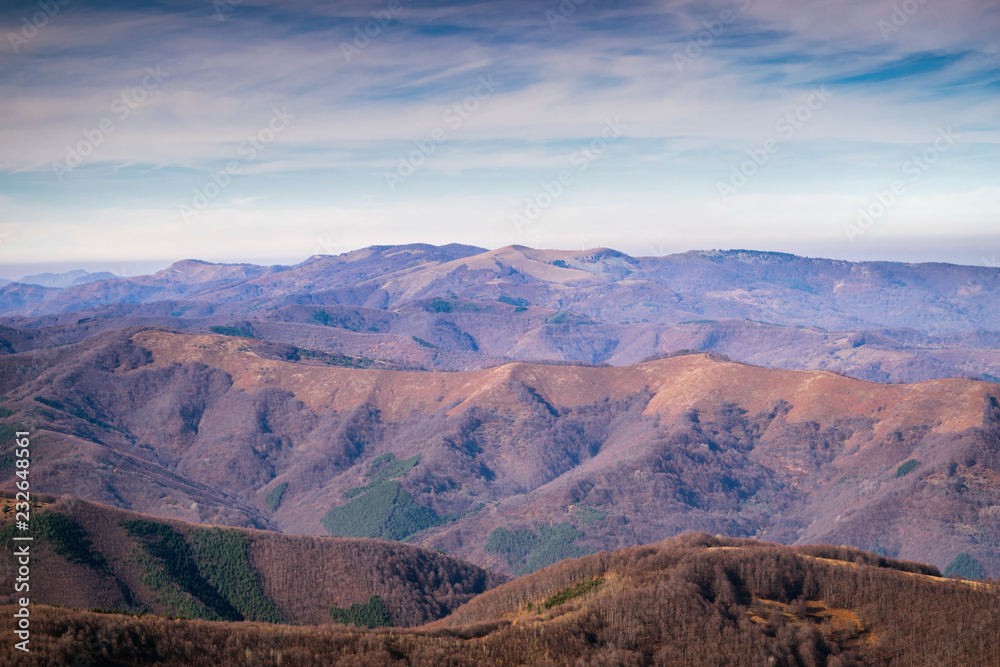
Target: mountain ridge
x=460 y=307
x=64 y=280
x=570 y=458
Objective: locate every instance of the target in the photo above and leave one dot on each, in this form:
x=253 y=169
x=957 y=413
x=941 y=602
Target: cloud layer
x=147 y=130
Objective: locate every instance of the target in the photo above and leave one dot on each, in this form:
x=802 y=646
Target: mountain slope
x=520 y=465
x=89 y=555
x=692 y=600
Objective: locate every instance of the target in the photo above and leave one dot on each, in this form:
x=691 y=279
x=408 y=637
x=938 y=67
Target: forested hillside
x=692 y=600
x=92 y=556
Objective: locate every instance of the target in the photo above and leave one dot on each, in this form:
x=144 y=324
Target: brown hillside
x=677 y=383
x=693 y=600
x=566 y=459
x=302 y=576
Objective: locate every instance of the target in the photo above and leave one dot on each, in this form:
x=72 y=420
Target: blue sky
x=143 y=132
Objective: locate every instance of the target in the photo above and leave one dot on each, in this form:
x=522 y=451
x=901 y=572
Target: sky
x=134 y=134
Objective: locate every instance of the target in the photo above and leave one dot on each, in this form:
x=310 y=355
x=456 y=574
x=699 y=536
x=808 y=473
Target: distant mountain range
x=68 y=279
x=459 y=308
x=62 y=280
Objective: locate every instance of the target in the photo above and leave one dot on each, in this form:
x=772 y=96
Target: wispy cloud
x=556 y=86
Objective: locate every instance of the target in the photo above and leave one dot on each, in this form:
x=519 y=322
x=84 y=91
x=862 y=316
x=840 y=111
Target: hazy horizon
x=128 y=269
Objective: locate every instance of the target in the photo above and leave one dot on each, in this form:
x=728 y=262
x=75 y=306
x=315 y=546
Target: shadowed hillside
x=92 y=556
x=514 y=467
x=692 y=600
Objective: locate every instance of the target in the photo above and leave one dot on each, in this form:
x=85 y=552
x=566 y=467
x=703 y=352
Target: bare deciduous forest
x=690 y=600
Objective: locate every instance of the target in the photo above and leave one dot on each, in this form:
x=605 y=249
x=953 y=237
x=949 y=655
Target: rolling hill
x=513 y=467
x=88 y=555
x=693 y=600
